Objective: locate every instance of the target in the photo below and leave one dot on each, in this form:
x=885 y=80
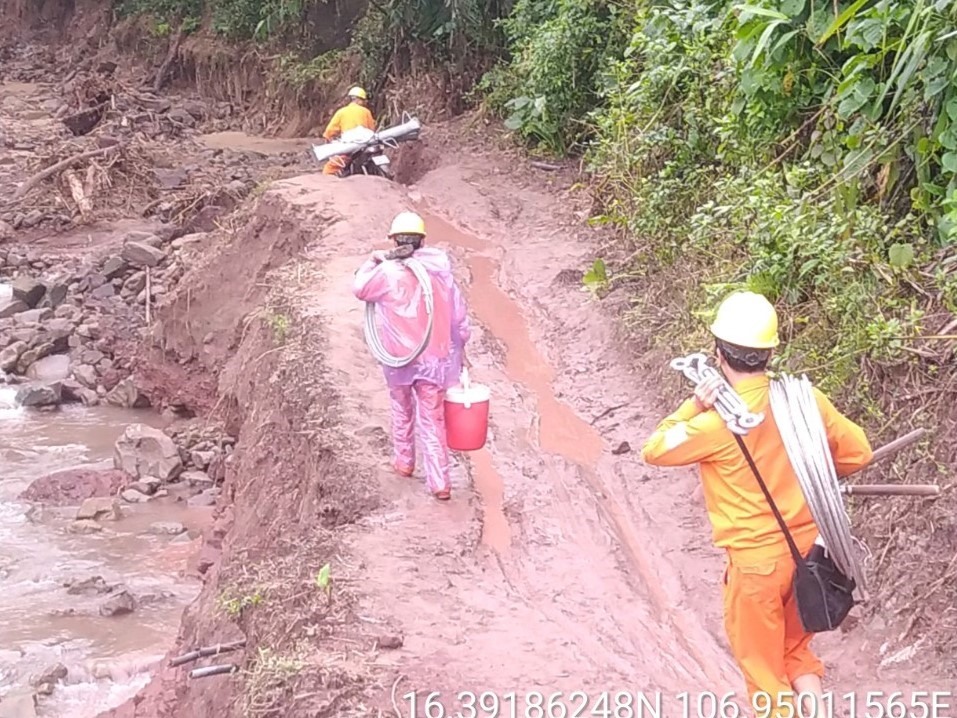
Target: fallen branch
x=893 y=447
x=170 y=56
x=890 y=489
x=213 y=670
x=65 y=164
x=544 y=166
x=81 y=198
x=207 y=651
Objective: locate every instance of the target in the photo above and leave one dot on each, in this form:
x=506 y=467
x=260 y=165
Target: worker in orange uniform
x=355 y=114
x=763 y=627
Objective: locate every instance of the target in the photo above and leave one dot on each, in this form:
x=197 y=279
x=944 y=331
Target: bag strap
x=798 y=558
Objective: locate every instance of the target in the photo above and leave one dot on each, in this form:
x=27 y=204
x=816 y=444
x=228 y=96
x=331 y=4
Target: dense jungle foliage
x=804 y=148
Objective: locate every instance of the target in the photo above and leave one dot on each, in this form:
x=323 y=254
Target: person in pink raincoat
x=417 y=390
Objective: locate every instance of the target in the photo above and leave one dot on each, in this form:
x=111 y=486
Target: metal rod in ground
x=213 y=670
x=890 y=489
x=207 y=651
x=897 y=445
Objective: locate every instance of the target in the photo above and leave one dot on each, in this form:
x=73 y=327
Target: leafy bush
x=557 y=49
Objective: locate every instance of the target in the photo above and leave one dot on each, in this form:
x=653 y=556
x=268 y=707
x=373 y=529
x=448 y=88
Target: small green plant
x=595 y=279
x=234 y=605
x=324 y=579
x=280 y=326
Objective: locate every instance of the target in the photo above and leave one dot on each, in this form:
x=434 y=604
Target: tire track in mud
x=561 y=432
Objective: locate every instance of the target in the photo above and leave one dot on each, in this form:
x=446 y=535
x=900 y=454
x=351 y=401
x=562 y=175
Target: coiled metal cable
x=799 y=422
x=730 y=407
x=371 y=332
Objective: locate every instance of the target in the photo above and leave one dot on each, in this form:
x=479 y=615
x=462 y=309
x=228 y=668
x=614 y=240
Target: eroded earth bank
x=222 y=302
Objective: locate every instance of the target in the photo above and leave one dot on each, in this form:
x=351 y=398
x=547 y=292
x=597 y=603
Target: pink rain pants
x=417 y=391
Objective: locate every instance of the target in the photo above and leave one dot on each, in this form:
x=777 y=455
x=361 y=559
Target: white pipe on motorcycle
x=357 y=140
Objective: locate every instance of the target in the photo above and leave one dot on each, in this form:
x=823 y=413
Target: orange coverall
x=346 y=118
x=761 y=620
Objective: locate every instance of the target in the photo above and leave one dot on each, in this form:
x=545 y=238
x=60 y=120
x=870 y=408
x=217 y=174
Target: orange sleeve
x=687 y=436
x=370 y=121
x=848 y=442
x=334 y=127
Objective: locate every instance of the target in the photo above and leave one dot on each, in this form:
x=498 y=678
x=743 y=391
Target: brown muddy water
x=108 y=658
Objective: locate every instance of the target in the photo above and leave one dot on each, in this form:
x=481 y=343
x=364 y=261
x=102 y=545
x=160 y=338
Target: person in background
x=417 y=391
x=761 y=620
x=355 y=114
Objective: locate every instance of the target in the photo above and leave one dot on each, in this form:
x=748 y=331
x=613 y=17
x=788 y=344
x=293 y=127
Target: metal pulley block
x=730 y=407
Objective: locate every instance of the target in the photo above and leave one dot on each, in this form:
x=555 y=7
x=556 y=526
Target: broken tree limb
x=65 y=164
x=213 y=670
x=170 y=56
x=207 y=651
x=544 y=166
x=890 y=489
x=896 y=445
x=81 y=198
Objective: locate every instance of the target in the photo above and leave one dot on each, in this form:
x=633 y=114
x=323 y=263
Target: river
x=108 y=658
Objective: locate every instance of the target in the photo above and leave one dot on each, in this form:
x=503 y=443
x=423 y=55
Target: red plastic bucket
x=466 y=415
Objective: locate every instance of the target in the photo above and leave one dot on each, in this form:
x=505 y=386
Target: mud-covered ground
x=561 y=564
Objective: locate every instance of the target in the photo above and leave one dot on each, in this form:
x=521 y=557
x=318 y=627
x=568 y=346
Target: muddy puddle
x=107 y=658
x=241 y=142
x=557 y=428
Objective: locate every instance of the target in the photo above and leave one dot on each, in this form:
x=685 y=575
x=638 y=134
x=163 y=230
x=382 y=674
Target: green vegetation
x=803 y=148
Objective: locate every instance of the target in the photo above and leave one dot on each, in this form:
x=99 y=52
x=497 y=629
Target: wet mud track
x=560 y=567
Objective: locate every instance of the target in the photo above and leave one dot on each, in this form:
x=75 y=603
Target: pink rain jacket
x=401 y=317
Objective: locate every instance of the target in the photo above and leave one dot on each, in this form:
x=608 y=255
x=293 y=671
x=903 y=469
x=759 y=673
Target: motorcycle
x=365 y=149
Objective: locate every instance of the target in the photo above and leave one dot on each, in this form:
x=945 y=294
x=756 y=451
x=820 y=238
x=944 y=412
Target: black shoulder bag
x=824 y=595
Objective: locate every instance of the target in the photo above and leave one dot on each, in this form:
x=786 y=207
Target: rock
x=99 y=507
x=148 y=485
x=89 y=330
x=182 y=116
x=10 y=357
x=29 y=291
x=199 y=479
x=33 y=316
x=202 y=500
x=389 y=642
x=118 y=604
x=197 y=109
x=140 y=254
x=95 y=585
x=189 y=239
x=19 y=703
x=135 y=284
x=59 y=327
x=114 y=267
x=56 y=295
x=144 y=451
x=127 y=395
x=31 y=356
x=52 y=368
x=167 y=528
x=6 y=231
x=12 y=307
x=170 y=179
x=39 y=395
x=92 y=356
x=53 y=674
x=134 y=497
x=202 y=459
x=74 y=486
x=84 y=527
x=103 y=292
x=86 y=375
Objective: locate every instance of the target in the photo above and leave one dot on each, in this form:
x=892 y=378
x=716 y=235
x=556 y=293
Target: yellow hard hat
x=407 y=223
x=747 y=320
x=357 y=92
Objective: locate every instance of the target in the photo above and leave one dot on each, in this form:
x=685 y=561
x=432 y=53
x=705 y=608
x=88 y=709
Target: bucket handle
x=464 y=379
